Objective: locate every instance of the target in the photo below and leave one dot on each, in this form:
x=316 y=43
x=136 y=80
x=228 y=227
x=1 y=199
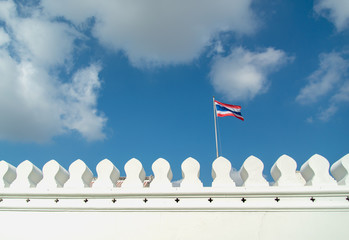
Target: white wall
x=174 y=225
x=58 y=204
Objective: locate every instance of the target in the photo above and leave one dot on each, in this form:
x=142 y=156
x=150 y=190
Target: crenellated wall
x=58 y=204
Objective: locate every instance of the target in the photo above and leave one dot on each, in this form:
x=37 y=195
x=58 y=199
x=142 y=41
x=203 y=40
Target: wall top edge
x=257 y=191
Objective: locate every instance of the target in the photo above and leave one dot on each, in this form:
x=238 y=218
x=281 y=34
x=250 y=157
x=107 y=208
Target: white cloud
x=332 y=70
x=37 y=39
x=336 y=11
x=35 y=105
x=243 y=74
x=218 y=48
x=342 y=95
x=47 y=43
x=310 y=120
x=4 y=38
x=79 y=111
x=25 y=106
x=77 y=11
x=326 y=114
x=158 y=32
x=328 y=83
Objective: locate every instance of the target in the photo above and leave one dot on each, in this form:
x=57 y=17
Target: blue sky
x=113 y=79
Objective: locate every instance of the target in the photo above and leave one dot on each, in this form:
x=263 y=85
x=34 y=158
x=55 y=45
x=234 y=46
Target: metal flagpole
x=215 y=125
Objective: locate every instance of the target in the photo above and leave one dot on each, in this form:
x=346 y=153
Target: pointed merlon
x=55 y=176
x=284 y=172
x=221 y=168
x=162 y=174
x=340 y=170
x=107 y=175
x=135 y=174
x=28 y=176
x=191 y=174
x=315 y=171
x=7 y=174
x=80 y=175
x=251 y=173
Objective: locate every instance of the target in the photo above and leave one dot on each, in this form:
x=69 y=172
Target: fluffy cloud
x=79 y=110
x=37 y=39
x=157 y=32
x=243 y=74
x=330 y=82
x=35 y=105
x=337 y=11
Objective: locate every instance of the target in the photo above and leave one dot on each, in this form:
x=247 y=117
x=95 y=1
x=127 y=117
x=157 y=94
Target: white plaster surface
x=284 y=172
x=191 y=174
x=28 y=176
x=80 y=175
x=7 y=174
x=162 y=174
x=55 y=176
x=135 y=174
x=251 y=173
x=107 y=173
x=221 y=168
x=340 y=170
x=174 y=225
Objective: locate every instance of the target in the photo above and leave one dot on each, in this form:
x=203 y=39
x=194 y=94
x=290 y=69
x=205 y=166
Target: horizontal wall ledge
x=205 y=191
x=243 y=202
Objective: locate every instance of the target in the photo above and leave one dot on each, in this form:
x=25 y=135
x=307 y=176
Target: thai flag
x=223 y=109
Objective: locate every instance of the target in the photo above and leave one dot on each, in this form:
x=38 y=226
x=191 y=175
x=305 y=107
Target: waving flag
x=223 y=109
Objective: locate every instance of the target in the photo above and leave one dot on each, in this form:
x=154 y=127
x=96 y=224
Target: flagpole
x=215 y=125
